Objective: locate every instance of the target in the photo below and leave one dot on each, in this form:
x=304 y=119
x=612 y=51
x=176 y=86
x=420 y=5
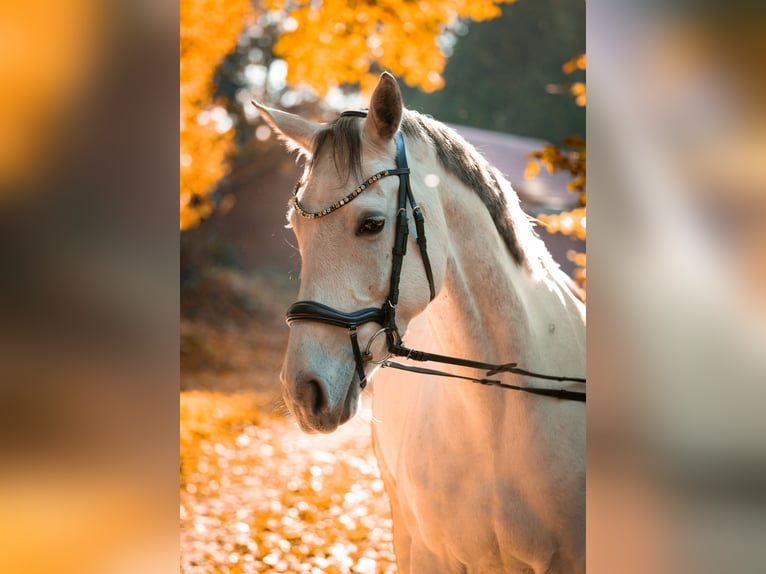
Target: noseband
x=385 y=316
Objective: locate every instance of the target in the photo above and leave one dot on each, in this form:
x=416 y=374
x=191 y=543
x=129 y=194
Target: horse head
x=345 y=233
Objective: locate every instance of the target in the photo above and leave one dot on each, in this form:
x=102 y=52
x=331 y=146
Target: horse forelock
x=344 y=135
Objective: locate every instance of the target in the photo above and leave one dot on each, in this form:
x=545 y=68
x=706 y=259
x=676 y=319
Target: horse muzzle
x=321 y=313
x=309 y=401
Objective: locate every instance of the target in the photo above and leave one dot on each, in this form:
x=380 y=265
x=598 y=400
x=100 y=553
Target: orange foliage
x=580 y=275
x=555 y=159
x=572 y=160
x=567 y=222
x=340 y=42
x=324 y=45
x=571 y=222
x=256 y=493
x=575 y=63
x=208 y=31
x=577 y=89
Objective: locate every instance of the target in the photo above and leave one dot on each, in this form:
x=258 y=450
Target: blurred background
x=88 y=286
x=89 y=269
x=509 y=77
x=676 y=333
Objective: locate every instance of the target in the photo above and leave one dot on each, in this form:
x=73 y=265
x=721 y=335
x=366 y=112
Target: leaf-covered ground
x=258 y=495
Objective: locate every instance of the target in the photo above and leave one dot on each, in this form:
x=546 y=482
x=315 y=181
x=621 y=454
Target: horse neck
x=493 y=310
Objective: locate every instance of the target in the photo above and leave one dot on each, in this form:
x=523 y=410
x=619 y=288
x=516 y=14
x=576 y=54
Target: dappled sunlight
x=258 y=495
x=571 y=159
x=329 y=50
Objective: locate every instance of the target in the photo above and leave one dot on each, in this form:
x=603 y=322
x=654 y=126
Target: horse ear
x=385 y=112
x=295 y=130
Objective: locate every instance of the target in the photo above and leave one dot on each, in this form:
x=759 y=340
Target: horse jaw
x=295 y=131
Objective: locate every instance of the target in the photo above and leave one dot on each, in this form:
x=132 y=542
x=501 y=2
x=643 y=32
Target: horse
x=482 y=478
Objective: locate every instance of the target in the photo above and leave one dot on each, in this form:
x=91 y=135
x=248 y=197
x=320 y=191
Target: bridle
x=385 y=316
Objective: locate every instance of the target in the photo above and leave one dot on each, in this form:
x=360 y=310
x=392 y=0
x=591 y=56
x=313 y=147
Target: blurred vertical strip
x=88 y=286
x=676 y=287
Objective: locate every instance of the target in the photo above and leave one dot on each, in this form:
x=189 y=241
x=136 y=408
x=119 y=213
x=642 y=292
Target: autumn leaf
x=208 y=31
x=567 y=222
x=326 y=45
x=575 y=63
x=532 y=170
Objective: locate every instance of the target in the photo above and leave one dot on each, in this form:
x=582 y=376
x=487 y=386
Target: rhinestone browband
x=337 y=205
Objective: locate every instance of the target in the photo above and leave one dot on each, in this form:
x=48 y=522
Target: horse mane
x=463 y=161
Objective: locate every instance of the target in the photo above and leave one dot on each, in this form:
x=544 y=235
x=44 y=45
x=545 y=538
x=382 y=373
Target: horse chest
x=463 y=492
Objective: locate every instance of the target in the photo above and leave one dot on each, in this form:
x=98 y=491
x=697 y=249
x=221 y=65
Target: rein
x=386 y=314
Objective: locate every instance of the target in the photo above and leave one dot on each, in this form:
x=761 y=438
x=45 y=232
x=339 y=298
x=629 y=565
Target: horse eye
x=371 y=226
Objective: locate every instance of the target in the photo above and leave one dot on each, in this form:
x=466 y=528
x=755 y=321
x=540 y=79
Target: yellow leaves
x=208 y=31
x=576 y=143
x=577 y=184
x=203 y=154
x=335 y=43
x=265 y=497
x=577 y=89
x=205 y=415
x=256 y=493
x=555 y=159
x=574 y=222
x=484 y=10
x=532 y=169
x=577 y=258
x=580 y=272
x=575 y=63
x=327 y=44
x=567 y=222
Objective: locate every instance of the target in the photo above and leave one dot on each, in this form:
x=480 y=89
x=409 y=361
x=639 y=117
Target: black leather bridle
x=385 y=316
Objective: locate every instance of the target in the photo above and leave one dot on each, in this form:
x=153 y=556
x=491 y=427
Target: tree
x=324 y=45
x=571 y=158
x=208 y=31
x=337 y=44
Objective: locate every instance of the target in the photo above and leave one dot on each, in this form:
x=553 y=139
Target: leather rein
x=385 y=316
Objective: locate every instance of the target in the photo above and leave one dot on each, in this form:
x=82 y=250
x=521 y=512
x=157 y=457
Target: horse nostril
x=315 y=396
